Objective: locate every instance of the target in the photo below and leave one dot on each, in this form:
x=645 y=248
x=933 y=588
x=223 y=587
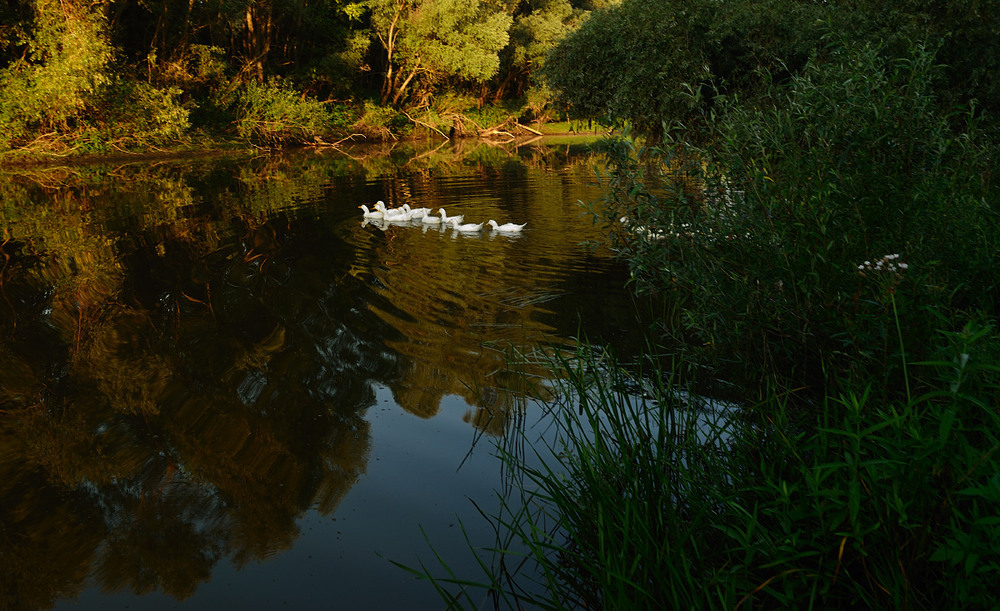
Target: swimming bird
x=396 y=215
x=506 y=227
x=447 y=219
x=418 y=213
x=371 y=214
x=468 y=227
x=430 y=219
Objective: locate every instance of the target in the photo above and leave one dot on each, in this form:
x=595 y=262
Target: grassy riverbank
x=834 y=246
x=658 y=499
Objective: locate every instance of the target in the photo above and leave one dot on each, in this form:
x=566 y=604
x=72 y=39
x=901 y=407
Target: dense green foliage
x=813 y=184
x=205 y=66
x=60 y=77
x=767 y=230
x=650 y=62
x=437 y=39
x=274 y=113
x=640 y=61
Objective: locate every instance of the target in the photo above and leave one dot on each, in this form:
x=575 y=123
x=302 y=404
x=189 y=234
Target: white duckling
x=402 y=214
x=506 y=227
x=391 y=214
x=467 y=228
x=371 y=214
x=398 y=216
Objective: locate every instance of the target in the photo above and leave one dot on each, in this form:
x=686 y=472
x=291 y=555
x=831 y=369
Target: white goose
x=371 y=214
x=468 y=227
x=506 y=227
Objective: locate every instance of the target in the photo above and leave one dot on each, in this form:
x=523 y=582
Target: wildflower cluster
x=889 y=264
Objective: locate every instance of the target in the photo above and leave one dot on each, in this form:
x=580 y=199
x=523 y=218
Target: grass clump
x=648 y=497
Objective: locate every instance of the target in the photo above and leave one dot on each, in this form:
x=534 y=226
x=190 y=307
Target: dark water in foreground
x=219 y=388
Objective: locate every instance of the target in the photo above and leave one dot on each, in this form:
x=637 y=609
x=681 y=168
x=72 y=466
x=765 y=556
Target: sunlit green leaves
x=438 y=39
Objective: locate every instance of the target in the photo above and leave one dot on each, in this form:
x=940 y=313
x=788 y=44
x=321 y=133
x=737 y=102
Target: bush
x=141 y=112
x=776 y=247
x=381 y=122
x=50 y=88
x=611 y=68
x=64 y=94
x=275 y=113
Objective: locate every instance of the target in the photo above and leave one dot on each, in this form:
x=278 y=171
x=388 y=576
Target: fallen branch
x=526 y=128
x=444 y=135
x=318 y=141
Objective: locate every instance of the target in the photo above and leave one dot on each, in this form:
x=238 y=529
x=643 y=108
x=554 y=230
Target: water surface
x=219 y=386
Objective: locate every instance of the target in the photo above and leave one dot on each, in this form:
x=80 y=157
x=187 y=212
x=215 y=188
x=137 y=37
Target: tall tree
x=538 y=26
x=436 y=40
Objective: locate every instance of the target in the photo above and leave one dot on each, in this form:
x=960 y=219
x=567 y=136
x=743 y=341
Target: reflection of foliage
x=187 y=355
x=162 y=549
x=148 y=421
x=48 y=541
x=132 y=378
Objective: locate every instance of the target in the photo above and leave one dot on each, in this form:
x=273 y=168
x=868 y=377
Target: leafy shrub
x=57 y=82
x=274 y=113
x=852 y=161
x=491 y=115
x=138 y=110
x=886 y=505
x=341 y=115
x=380 y=121
x=378 y=116
x=65 y=90
x=197 y=66
x=611 y=68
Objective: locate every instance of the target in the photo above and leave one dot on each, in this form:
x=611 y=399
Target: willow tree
x=436 y=39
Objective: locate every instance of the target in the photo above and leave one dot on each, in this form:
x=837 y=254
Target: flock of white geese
x=426 y=216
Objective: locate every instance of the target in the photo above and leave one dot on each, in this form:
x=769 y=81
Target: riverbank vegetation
x=120 y=75
x=813 y=185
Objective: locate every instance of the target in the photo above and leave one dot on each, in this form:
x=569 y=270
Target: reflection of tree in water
x=458 y=310
x=198 y=404
x=180 y=380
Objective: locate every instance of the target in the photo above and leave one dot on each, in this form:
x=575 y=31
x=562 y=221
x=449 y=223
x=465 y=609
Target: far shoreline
x=225 y=147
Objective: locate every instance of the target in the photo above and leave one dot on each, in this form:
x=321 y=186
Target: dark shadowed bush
x=799 y=198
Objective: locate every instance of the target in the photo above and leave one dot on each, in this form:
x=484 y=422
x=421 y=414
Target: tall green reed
x=646 y=496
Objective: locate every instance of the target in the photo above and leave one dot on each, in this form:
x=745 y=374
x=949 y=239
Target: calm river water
x=219 y=388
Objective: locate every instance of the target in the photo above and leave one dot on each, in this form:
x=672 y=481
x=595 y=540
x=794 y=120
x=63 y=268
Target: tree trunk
x=258 y=41
x=402 y=88
x=389 y=43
